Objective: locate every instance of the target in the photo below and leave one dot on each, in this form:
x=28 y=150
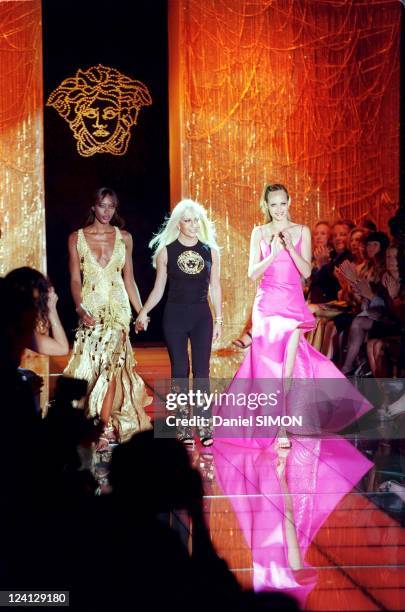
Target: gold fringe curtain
x=22 y=213
x=302 y=92
x=22 y=217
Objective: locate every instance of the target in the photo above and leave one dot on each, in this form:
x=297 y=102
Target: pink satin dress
x=321 y=468
x=278 y=310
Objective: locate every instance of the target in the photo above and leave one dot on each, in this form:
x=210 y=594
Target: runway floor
x=359 y=552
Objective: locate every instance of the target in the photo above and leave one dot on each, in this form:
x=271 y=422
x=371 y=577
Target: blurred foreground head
x=156 y=472
x=18 y=317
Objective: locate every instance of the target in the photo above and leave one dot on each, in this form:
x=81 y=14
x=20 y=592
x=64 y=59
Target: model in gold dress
x=103 y=286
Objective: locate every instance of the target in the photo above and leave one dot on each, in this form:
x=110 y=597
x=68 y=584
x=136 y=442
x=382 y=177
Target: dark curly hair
x=33 y=287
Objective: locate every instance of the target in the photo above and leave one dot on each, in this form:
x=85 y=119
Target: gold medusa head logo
x=101 y=105
x=190 y=262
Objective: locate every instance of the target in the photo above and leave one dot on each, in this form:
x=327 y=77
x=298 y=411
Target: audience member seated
x=385 y=349
x=321 y=235
x=324 y=286
x=357 y=245
x=367 y=292
x=348 y=273
x=49 y=337
x=325 y=338
x=321 y=249
x=21 y=427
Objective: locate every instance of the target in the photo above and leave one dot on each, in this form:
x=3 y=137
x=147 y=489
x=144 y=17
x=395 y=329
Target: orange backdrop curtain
x=22 y=214
x=22 y=219
x=294 y=91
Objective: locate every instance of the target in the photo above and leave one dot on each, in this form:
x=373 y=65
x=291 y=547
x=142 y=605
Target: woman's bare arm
x=258 y=266
x=157 y=292
x=76 y=281
x=160 y=282
x=128 y=274
x=216 y=294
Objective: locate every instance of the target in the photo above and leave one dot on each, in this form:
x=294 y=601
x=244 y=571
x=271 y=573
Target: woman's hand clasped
x=286 y=240
x=276 y=245
x=142 y=321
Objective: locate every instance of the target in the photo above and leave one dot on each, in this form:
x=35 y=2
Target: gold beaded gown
x=104 y=351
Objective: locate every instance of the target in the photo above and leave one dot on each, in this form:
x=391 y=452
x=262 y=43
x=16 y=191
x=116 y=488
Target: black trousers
x=181 y=323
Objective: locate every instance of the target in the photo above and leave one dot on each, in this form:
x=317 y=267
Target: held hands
x=142 y=321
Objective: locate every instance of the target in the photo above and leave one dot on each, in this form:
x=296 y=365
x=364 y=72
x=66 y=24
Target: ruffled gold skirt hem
x=99 y=355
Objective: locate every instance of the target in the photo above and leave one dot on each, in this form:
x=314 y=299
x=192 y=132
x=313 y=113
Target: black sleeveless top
x=189 y=272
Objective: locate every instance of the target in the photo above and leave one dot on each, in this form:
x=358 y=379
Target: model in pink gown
x=319 y=469
x=278 y=310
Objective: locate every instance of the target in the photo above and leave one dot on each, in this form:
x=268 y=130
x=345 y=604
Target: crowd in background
x=357 y=292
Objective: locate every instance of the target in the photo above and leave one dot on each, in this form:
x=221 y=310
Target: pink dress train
x=320 y=468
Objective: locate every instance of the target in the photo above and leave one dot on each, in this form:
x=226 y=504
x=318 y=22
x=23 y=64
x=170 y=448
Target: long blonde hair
x=169 y=232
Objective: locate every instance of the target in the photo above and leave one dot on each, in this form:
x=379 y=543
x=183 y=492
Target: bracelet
x=219 y=320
